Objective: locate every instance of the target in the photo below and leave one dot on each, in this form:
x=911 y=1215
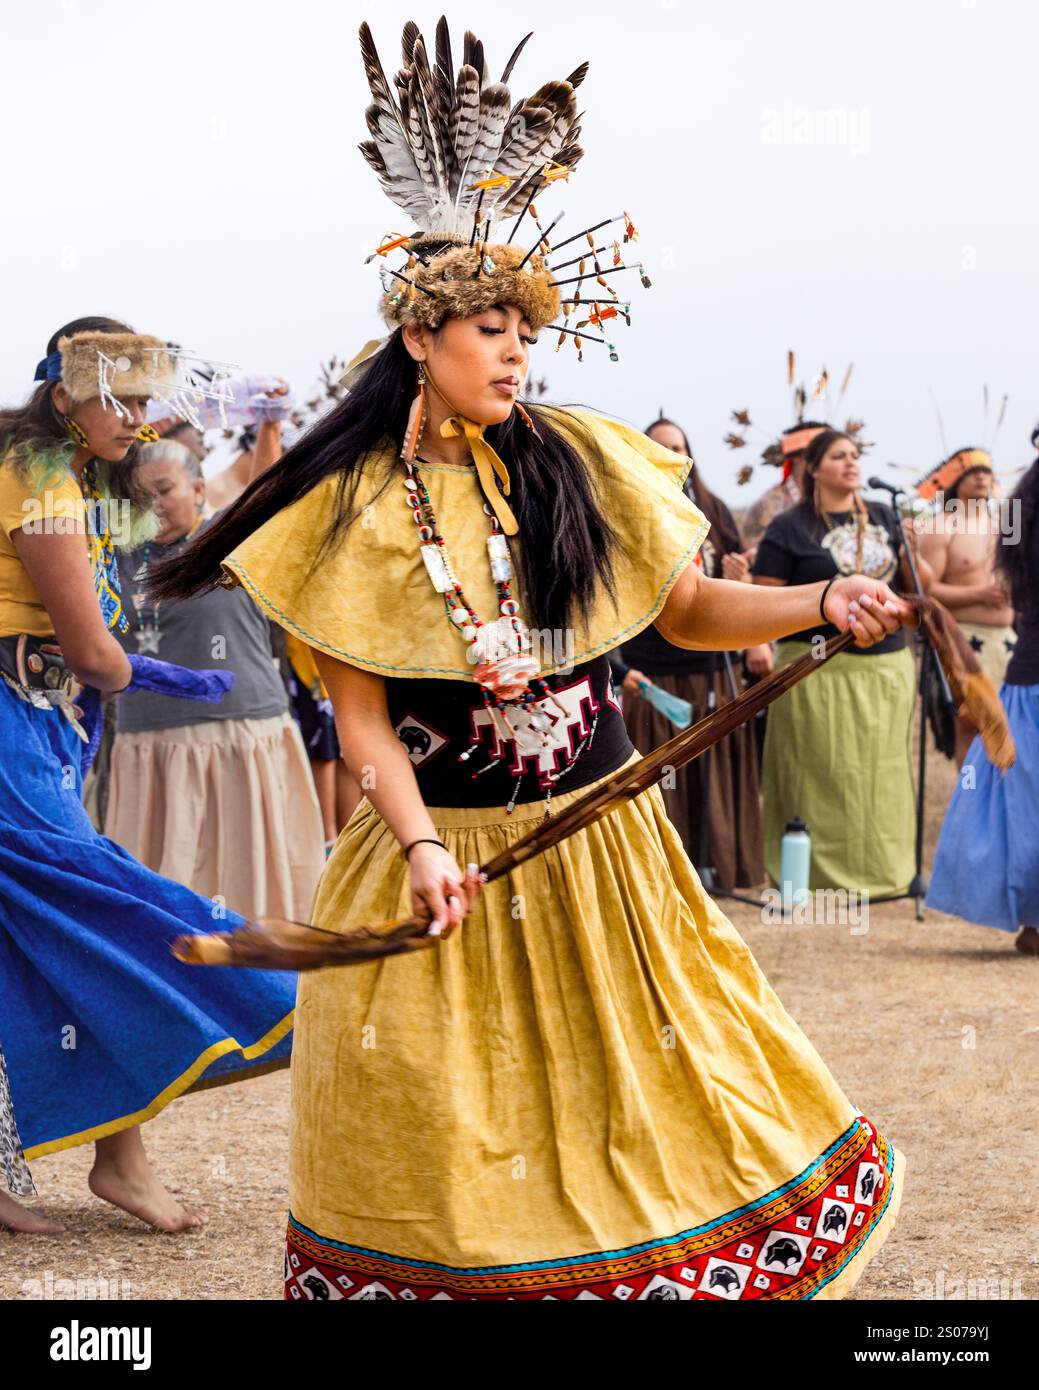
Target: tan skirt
x=226 y=807
x=993 y=646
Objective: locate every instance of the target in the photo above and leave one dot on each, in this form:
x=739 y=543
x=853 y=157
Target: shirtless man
x=961 y=550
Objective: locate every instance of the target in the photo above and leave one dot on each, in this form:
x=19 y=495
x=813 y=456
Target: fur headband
x=466 y=280
x=117 y=364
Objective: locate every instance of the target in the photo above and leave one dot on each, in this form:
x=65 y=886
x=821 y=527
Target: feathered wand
x=275 y=944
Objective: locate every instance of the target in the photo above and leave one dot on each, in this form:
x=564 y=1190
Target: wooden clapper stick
x=272 y=943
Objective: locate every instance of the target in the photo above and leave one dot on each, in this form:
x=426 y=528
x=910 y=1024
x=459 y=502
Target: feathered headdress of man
x=780 y=449
x=461 y=156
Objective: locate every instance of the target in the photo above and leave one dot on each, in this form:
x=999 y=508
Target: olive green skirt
x=838 y=755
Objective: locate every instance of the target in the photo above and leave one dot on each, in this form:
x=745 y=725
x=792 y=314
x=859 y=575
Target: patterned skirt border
x=789 y=1244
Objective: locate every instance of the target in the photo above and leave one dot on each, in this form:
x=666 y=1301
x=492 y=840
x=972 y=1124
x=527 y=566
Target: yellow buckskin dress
x=590 y=1090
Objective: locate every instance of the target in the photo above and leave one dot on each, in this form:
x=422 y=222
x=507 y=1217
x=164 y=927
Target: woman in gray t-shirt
x=219 y=797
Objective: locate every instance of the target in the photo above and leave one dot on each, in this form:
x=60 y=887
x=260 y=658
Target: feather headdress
x=460 y=155
x=945 y=476
x=780 y=449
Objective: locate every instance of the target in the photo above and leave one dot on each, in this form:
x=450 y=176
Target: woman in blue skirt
x=987 y=865
x=101 y=1027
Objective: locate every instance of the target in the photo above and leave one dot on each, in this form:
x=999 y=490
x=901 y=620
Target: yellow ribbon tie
x=488 y=467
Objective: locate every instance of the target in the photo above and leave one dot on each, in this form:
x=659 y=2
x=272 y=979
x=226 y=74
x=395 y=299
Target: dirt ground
x=931 y=1028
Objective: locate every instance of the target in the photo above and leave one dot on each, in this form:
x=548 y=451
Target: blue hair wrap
x=49 y=368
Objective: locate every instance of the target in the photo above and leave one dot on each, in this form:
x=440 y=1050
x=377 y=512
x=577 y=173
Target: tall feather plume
x=444 y=88
x=472 y=55
x=515 y=54
x=466 y=115
x=407 y=42
x=389 y=151
x=494 y=114
x=565 y=128
x=422 y=88
x=434 y=133
x=421 y=140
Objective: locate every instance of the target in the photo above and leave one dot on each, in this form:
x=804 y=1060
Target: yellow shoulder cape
x=369 y=602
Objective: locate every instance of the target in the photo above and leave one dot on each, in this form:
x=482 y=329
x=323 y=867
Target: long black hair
x=1019 y=562
x=724 y=535
x=34 y=438
x=567 y=542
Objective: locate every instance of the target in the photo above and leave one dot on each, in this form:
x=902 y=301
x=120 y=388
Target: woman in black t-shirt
x=727 y=839
x=855 y=792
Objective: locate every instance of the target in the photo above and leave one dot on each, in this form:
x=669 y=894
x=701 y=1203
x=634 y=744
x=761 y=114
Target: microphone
x=878 y=484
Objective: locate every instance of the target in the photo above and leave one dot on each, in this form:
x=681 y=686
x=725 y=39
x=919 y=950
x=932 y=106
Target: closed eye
x=486 y=328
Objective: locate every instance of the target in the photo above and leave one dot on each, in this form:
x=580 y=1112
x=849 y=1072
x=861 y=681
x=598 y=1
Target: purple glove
x=162 y=678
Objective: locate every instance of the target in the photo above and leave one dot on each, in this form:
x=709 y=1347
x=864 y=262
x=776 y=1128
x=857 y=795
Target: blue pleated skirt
x=100 y=1025
x=986 y=869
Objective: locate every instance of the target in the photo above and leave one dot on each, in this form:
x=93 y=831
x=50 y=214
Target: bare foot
x=123 y=1176
x=19 y=1218
x=1027 y=941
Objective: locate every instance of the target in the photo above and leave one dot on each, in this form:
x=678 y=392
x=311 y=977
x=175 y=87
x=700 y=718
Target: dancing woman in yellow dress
x=590 y=1090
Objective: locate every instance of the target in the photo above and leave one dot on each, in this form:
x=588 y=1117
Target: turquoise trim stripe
x=597 y=1256
x=877 y=1217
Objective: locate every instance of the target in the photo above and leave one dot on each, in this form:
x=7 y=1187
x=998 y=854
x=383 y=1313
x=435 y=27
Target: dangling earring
x=147 y=434
x=416 y=419
x=525 y=417
x=75 y=432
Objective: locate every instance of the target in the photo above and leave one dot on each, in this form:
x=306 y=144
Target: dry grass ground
x=931 y=1027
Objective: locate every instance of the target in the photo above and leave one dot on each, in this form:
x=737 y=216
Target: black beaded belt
x=35 y=663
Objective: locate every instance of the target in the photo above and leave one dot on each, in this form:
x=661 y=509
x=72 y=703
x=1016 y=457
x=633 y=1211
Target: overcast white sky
x=192 y=168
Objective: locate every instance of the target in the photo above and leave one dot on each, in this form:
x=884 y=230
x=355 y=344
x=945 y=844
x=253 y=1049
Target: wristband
x=408 y=848
x=822 y=599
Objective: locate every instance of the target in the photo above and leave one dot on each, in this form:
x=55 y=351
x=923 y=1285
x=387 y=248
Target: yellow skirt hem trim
x=172 y=1091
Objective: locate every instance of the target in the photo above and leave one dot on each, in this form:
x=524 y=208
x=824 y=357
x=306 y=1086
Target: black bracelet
x=822 y=598
x=408 y=848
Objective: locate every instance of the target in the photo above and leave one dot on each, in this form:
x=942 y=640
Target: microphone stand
x=917 y=889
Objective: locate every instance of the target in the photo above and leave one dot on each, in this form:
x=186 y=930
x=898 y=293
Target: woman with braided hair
x=855 y=794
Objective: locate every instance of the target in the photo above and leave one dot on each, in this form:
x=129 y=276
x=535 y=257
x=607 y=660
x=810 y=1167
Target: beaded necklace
x=102 y=550
x=859 y=525
x=505 y=668
x=149 y=634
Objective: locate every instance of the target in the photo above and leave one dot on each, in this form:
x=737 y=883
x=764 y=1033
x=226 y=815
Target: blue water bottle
x=795 y=862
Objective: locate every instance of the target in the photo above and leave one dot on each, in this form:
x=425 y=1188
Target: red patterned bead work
x=786 y=1245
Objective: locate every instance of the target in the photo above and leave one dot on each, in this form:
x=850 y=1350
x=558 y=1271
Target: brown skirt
x=734 y=847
